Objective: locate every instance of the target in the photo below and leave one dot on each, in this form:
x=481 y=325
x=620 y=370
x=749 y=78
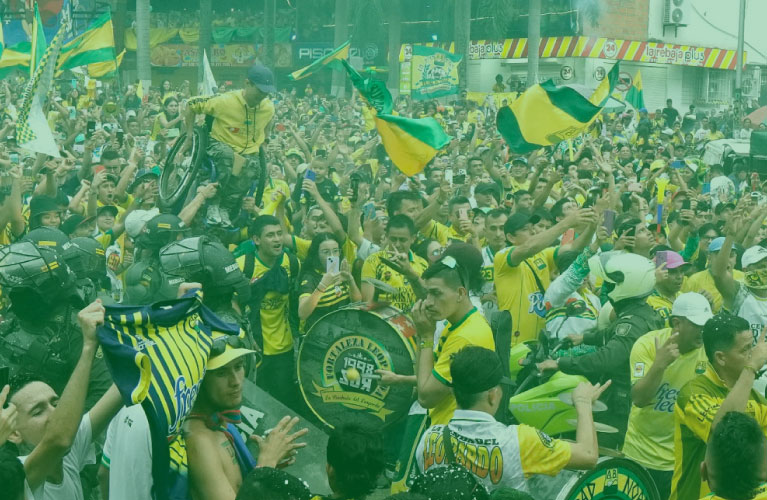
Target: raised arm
x=544 y=239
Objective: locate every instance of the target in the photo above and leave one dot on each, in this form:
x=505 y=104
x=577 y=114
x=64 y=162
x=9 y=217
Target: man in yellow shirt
x=733 y=362
x=240 y=118
x=661 y=363
x=273 y=273
x=669 y=276
x=523 y=270
x=703 y=281
x=736 y=459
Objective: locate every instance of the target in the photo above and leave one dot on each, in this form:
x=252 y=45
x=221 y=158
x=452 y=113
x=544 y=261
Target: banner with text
x=434 y=72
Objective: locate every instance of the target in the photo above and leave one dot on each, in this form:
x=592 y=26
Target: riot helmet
x=208 y=262
x=35 y=278
x=48 y=237
x=159 y=231
x=86 y=258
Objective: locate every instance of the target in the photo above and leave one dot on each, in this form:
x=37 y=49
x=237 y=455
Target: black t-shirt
x=670 y=115
x=333 y=298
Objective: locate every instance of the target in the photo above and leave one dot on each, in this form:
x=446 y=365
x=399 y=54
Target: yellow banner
x=353 y=400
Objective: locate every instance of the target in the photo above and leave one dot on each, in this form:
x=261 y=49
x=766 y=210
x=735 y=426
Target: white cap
x=694 y=307
x=753 y=255
x=136 y=220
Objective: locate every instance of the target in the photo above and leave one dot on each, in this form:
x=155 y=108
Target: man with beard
x=218 y=457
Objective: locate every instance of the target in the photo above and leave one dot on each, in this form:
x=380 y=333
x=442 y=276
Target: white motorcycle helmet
x=632 y=274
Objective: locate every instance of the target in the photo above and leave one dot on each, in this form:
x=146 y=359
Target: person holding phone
x=325 y=281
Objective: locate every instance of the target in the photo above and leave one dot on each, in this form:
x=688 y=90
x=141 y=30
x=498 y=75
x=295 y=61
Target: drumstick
x=353 y=375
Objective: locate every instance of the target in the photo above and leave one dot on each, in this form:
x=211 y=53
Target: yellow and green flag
x=635 y=95
x=95 y=45
x=106 y=69
x=38 y=42
x=410 y=143
x=547 y=114
x=330 y=60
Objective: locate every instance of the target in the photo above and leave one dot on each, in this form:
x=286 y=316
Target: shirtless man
x=218 y=457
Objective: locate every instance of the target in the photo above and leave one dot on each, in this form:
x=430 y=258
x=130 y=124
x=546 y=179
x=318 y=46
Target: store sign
x=602 y=48
x=305 y=53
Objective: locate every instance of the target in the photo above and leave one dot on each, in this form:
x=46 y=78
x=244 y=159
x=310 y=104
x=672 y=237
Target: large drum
x=338 y=359
x=612 y=479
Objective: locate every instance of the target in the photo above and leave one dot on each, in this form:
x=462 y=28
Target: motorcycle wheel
x=179 y=173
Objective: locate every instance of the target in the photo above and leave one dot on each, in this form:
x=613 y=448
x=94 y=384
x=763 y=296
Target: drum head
x=337 y=363
x=614 y=479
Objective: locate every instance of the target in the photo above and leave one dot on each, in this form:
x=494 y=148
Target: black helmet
x=206 y=261
x=86 y=257
x=48 y=237
x=159 y=231
x=35 y=277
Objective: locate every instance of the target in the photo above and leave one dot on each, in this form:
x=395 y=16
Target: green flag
x=38 y=42
x=327 y=61
x=410 y=143
x=635 y=95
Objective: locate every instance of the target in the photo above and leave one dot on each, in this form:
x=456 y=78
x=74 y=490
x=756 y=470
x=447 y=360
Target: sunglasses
x=219 y=345
x=453 y=264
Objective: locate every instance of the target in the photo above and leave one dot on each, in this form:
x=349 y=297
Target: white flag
x=208 y=85
x=32 y=130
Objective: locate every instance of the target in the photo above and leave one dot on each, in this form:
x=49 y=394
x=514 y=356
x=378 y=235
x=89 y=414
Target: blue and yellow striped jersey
x=157 y=355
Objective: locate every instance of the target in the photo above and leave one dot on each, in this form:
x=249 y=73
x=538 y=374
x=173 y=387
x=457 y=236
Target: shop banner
x=434 y=72
x=181 y=55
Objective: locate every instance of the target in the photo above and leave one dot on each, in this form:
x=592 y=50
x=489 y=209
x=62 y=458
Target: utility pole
x=462 y=32
x=739 y=63
x=269 y=19
x=533 y=41
x=338 y=86
x=395 y=41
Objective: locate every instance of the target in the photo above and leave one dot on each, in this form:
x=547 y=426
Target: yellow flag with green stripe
x=547 y=114
x=95 y=45
x=410 y=143
x=330 y=60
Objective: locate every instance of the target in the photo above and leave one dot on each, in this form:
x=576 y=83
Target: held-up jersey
x=157 y=355
x=498 y=455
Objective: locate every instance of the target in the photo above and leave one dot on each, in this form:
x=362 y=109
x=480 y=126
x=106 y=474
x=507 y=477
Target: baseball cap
x=107 y=208
x=516 y=222
x=262 y=77
x=674 y=260
x=692 y=306
x=227 y=348
x=520 y=159
x=142 y=175
x=753 y=255
x=716 y=244
x=136 y=220
x=294 y=152
x=39 y=205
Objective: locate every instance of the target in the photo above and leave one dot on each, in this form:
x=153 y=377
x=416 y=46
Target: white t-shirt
x=80 y=455
x=128 y=455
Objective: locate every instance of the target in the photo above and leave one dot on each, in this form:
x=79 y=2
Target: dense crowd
x=621 y=257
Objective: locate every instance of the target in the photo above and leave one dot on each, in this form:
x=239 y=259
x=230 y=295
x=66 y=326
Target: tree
x=206 y=14
x=533 y=41
x=395 y=41
x=462 y=31
x=341 y=34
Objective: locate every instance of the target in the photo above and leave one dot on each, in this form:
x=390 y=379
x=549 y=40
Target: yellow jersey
x=696 y=406
x=301 y=249
x=472 y=329
x=405 y=296
x=704 y=281
x=443 y=234
x=275 y=325
x=520 y=186
x=520 y=293
x=662 y=305
x=650 y=435
x=236 y=123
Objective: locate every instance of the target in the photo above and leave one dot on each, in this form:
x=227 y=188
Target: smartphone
x=121 y=136
x=609 y=223
x=72 y=113
x=677 y=164
x=706 y=188
x=606 y=155
x=14 y=158
x=460 y=179
x=568 y=237
x=463 y=214
x=310 y=175
x=685 y=204
x=369 y=211
x=90 y=128
x=332 y=265
x=355 y=185
x=280 y=127
x=661 y=258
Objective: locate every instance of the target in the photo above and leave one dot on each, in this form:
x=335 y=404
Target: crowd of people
x=643 y=264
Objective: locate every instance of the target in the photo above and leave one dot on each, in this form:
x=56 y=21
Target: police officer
x=145 y=282
x=203 y=260
x=634 y=279
x=86 y=258
x=40 y=338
